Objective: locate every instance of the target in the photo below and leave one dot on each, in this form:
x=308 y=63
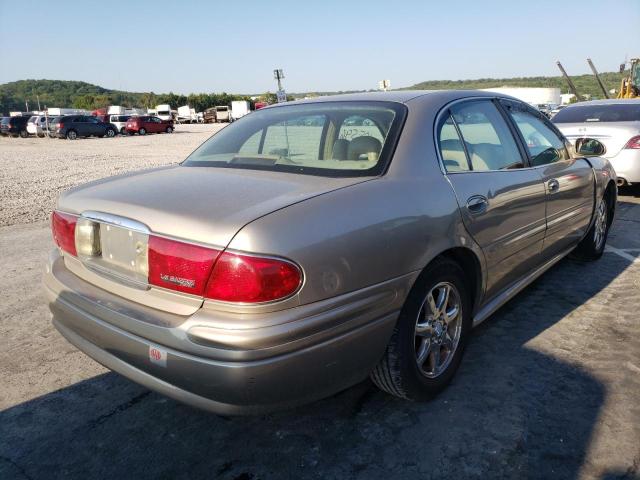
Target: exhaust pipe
x=621 y=182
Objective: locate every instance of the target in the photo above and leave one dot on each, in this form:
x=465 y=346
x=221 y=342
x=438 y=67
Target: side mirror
x=589 y=147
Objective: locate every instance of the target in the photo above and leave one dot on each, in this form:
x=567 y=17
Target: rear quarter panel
x=359 y=236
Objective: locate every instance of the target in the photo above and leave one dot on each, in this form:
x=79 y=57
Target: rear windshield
x=344 y=139
x=6 y=120
x=618 y=112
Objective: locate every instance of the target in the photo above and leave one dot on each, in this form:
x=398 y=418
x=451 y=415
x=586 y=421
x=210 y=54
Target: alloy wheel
x=600 y=225
x=438 y=329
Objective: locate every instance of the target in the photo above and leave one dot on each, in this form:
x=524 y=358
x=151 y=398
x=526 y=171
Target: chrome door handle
x=553 y=185
x=477 y=204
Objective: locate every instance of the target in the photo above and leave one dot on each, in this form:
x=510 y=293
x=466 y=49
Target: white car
x=37 y=125
x=119 y=122
x=616 y=124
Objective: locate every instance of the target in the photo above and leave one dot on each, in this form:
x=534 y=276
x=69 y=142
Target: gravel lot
x=550 y=385
x=33 y=171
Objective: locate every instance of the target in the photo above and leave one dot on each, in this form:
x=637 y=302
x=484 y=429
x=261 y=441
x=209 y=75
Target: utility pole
x=278 y=74
x=595 y=73
x=38 y=97
x=572 y=87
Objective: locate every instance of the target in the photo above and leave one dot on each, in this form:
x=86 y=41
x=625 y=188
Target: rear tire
x=123 y=131
x=591 y=247
x=409 y=368
x=110 y=133
x=169 y=130
x=72 y=135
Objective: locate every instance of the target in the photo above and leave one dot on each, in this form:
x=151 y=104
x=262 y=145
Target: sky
x=325 y=45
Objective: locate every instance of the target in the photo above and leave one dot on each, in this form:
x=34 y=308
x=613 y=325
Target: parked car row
x=72 y=127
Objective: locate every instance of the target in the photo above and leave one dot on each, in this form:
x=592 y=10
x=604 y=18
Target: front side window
x=543 y=144
x=326 y=138
x=486 y=136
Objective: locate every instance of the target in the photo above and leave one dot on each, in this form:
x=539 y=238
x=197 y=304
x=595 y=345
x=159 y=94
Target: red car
x=148 y=124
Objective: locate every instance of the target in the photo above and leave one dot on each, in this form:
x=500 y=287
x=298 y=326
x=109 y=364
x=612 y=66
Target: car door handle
x=553 y=185
x=477 y=204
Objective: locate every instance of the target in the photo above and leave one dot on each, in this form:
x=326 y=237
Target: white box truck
x=239 y=108
x=164 y=112
x=115 y=110
x=223 y=114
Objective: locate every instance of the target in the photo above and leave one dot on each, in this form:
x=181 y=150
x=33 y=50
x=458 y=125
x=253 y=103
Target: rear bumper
x=233 y=379
x=627 y=165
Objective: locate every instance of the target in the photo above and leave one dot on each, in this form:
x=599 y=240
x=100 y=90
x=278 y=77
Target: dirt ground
x=549 y=387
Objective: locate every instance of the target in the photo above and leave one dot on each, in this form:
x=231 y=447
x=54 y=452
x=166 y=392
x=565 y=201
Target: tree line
x=24 y=95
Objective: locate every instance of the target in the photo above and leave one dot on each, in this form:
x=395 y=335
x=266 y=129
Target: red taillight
x=63 y=227
x=633 y=143
x=243 y=278
x=180 y=266
x=60 y=126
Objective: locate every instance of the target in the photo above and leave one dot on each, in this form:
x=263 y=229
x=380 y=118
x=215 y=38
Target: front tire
x=169 y=130
x=428 y=342
x=110 y=133
x=142 y=131
x=24 y=134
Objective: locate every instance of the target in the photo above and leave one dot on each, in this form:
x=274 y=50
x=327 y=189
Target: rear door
x=502 y=200
x=569 y=183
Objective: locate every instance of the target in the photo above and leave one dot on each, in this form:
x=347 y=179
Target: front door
x=502 y=200
x=569 y=183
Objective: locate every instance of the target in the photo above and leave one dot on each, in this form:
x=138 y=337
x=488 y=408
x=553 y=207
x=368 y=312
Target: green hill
x=585 y=84
x=63 y=93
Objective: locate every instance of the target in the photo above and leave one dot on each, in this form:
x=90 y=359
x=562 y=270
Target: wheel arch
x=470 y=264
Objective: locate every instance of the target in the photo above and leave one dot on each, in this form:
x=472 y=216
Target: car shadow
x=515 y=410
x=631 y=191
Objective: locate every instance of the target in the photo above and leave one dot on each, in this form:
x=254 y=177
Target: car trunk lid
x=200 y=205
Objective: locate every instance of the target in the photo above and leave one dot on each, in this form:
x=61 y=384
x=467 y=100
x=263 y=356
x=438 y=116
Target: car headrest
x=364 y=148
x=340 y=147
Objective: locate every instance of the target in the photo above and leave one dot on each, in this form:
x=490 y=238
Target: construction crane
x=595 y=74
x=630 y=85
x=572 y=87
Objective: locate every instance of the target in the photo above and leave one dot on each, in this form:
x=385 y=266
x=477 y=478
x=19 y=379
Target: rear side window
x=486 y=136
x=628 y=112
x=451 y=148
x=543 y=144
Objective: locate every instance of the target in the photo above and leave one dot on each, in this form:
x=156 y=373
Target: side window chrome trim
x=445 y=110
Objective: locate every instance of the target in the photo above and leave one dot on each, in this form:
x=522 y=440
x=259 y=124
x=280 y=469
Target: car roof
x=399 y=96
